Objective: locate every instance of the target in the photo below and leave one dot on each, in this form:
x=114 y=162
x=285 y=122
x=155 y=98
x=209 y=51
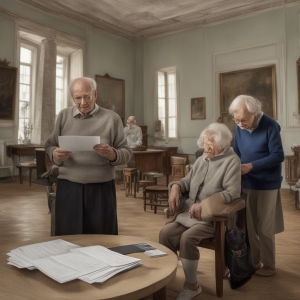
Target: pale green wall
x=200 y=54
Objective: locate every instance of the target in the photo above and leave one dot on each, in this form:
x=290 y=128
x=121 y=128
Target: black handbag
x=238 y=257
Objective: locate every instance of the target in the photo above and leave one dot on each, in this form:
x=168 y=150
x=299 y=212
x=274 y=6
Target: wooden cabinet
x=292 y=165
x=145 y=135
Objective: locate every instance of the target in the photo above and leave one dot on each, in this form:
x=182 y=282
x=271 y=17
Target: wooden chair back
x=178 y=167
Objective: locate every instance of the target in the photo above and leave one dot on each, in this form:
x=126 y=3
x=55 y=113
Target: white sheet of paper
x=78 y=143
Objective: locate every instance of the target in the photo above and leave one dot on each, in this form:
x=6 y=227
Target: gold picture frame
x=198 y=108
x=8 y=79
x=257 y=82
x=111 y=94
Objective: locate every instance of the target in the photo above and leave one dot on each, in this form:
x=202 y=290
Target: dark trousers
x=85 y=208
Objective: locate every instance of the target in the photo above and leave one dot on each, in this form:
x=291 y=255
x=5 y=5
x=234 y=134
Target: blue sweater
x=262 y=148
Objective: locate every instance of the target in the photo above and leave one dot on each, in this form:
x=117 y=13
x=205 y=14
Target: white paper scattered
x=78 y=143
x=64 y=261
x=155 y=253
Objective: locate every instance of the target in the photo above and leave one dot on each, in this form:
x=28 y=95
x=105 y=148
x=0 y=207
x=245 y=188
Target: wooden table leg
x=30 y=170
x=160 y=294
x=20 y=175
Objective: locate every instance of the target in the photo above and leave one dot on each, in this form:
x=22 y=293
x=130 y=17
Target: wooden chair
x=178 y=167
x=221 y=219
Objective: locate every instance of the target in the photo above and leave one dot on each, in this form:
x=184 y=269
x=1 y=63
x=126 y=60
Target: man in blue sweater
x=258 y=143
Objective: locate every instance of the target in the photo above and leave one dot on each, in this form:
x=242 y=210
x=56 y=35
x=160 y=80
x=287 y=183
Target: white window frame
x=66 y=76
x=35 y=49
x=165 y=133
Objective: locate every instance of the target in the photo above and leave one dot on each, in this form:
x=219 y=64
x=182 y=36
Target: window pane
x=59 y=72
x=161 y=108
x=59 y=83
x=172 y=108
x=172 y=127
x=59 y=98
x=24 y=92
x=25 y=55
x=25 y=74
x=59 y=59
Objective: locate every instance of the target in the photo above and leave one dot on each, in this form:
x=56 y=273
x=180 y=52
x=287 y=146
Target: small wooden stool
x=158 y=194
x=20 y=167
x=130 y=177
x=152 y=176
x=144 y=183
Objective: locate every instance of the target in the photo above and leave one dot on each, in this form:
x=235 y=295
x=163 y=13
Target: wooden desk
x=149 y=160
x=22 y=150
x=149 y=278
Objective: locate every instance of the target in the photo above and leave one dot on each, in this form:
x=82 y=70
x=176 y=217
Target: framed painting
x=111 y=94
x=298 y=83
x=258 y=82
x=8 y=79
x=198 y=108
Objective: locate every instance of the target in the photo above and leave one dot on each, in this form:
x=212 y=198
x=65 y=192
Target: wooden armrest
x=215 y=209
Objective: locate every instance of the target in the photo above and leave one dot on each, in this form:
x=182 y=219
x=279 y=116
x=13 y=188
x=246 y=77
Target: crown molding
x=61 y=38
x=126 y=32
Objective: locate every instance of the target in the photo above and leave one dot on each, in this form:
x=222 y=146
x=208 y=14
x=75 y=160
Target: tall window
x=167 y=102
x=61 y=79
x=27 y=73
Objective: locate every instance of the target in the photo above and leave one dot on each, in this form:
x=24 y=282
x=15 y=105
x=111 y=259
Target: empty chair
x=3 y=160
x=178 y=167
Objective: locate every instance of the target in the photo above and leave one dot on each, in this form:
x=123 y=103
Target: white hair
x=218 y=133
x=132 y=118
x=91 y=81
x=253 y=105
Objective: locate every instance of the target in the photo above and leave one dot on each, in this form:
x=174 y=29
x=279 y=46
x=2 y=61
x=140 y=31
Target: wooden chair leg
x=219 y=256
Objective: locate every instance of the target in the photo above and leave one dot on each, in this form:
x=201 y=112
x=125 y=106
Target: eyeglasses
x=240 y=121
x=86 y=98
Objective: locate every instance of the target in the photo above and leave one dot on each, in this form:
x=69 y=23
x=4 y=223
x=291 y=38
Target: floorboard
x=24 y=215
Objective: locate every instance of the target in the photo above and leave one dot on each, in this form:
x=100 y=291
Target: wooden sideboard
x=292 y=165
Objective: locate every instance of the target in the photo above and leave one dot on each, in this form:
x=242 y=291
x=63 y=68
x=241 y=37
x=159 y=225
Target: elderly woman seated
x=218 y=170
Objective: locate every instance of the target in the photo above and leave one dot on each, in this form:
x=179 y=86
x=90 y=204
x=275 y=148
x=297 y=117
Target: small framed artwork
x=198 y=108
x=8 y=79
x=111 y=94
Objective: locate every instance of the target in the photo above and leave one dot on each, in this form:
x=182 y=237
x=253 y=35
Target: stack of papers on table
x=64 y=261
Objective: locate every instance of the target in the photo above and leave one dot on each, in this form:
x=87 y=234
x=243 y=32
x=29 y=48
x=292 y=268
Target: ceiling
x=140 y=19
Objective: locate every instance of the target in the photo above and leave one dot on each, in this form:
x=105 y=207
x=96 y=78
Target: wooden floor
x=24 y=215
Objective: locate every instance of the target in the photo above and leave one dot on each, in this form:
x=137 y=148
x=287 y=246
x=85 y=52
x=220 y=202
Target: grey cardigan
x=221 y=173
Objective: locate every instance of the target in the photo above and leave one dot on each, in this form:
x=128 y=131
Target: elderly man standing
x=258 y=143
x=86 y=195
x=133 y=133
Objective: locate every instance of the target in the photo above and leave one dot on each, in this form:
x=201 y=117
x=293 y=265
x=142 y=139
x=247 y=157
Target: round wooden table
x=150 y=278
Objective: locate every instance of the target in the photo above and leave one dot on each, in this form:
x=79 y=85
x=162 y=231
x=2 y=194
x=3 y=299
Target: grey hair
x=218 y=133
x=91 y=81
x=134 y=119
x=253 y=105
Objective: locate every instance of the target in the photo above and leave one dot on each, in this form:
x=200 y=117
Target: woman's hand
x=195 y=211
x=61 y=155
x=106 y=151
x=174 y=197
x=246 y=168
